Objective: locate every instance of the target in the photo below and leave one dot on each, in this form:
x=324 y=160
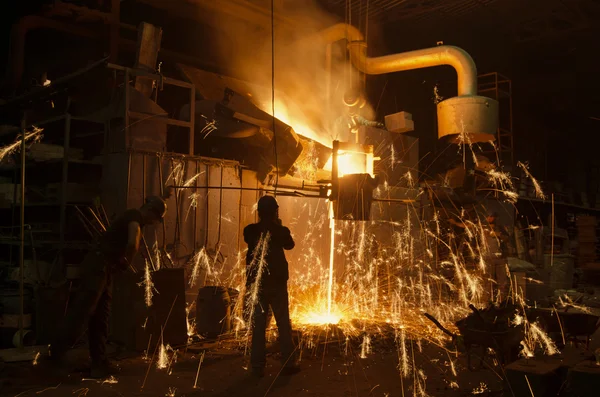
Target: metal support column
x=22 y=245
x=63 y=187
x=192 y=117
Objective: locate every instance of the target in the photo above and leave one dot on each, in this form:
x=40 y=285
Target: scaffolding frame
x=160 y=80
x=499 y=87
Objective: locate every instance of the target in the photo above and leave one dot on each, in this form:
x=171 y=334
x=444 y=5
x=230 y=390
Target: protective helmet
x=267 y=204
x=157 y=205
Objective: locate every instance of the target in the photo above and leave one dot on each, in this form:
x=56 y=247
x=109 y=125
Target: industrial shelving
x=55 y=210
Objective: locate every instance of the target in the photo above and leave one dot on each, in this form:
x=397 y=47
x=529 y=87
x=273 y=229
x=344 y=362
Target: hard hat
x=267 y=203
x=157 y=205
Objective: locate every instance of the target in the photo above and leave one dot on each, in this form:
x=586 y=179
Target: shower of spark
x=568 y=303
x=386 y=282
x=191 y=324
x=403 y=363
x=36 y=358
x=30 y=137
x=171 y=392
x=157 y=256
x=177 y=172
x=111 y=380
x=504 y=184
x=258 y=266
x=203 y=261
x=365 y=347
x=162 y=362
x=148 y=285
x=482 y=388
x=537 y=337
x=539 y=193
x=193 y=203
x=192 y=179
x=211 y=125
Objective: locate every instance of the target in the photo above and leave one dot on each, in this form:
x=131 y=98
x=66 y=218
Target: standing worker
x=266 y=281
x=116 y=250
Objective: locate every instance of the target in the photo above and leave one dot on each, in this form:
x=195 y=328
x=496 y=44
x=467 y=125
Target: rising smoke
x=302 y=98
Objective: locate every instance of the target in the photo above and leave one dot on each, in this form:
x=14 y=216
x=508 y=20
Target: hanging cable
x=273 y=92
x=366 y=46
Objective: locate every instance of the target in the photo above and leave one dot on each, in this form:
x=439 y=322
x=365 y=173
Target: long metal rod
x=296 y=192
x=192 y=118
x=256 y=189
x=161 y=185
x=195 y=234
x=207 y=218
x=126 y=115
x=239 y=234
x=128 y=180
x=219 y=219
x=399 y=201
x=143 y=176
x=22 y=246
x=63 y=188
x=181 y=156
x=144 y=73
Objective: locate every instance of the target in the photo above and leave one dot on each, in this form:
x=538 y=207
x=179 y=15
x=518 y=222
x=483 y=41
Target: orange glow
x=297 y=123
x=350 y=163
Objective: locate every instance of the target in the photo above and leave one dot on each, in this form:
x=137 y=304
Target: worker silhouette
x=266 y=284
x=91 y=307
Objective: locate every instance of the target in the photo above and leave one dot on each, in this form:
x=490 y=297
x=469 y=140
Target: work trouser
x=276 y=297
x=90 y=306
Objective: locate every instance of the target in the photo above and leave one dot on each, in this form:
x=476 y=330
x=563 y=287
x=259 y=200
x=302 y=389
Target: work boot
x=102 y=369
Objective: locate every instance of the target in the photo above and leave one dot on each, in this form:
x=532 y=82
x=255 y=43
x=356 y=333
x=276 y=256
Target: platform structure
x=499 y=87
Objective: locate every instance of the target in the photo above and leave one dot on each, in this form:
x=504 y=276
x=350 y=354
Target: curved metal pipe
x=453 y=56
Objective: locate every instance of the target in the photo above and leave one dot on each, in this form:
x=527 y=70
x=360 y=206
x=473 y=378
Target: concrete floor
x=223 y=373
x=338 y=371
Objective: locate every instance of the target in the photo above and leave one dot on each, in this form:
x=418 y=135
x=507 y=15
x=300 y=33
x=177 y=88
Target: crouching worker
x=266 y=285
x=91 y=306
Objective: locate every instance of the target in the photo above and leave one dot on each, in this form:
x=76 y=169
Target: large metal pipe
x=468 y=118
x=453 y=56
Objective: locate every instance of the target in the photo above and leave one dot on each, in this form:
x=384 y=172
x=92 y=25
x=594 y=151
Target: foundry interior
x=434 y=161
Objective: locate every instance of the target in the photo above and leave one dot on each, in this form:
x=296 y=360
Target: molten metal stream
x=331 y=253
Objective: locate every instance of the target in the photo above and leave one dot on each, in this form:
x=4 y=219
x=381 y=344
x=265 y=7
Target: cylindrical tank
x=469 y=119
x=213 y=311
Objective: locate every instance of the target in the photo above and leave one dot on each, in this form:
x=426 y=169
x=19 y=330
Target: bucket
x=213 y=311
x=28 y=338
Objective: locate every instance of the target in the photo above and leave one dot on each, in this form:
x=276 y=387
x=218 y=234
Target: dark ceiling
x=549 y=49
